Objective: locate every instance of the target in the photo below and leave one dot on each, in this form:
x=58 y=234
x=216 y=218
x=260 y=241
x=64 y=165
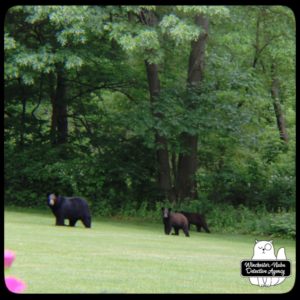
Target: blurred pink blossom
x=9 y=257
x=14 y=284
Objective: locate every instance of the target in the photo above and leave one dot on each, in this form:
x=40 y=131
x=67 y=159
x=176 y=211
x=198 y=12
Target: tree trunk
x=187 y=161
x=59 y=125
x=187 y=167
x=162 y=154
x=197 y=55
x=277 y=107
x=23 y=114
x=23 y=120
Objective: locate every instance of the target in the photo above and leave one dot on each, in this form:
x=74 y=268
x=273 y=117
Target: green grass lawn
x=125 y=257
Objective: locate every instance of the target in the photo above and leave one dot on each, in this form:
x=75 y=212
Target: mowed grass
x=124 y=257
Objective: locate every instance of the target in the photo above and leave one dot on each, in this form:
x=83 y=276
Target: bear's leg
x=60 y=221
x=198 y=228
x=72 y=222
x=186 y=232
x=168 y=229
x=86 y=221
x=205 y=227
x=176 y=229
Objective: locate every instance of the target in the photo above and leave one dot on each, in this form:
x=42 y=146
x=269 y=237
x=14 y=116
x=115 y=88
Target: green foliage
x=247 y=179
x=106 y=184
x=227 y=218
x=28 y=181
x=283 y=224
x=178 y=30
x=216 y=11
x=9 y=42
x=110 y=157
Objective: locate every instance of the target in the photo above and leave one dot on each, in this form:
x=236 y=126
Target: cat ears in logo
x=256 y=241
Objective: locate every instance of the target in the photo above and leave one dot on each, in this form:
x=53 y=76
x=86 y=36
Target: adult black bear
x=175 y=220
x=72 y=208
x=196 y=219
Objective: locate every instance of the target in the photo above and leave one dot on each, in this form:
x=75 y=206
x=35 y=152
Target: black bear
x=196 y=219
x=72 y=208
x=175 y=220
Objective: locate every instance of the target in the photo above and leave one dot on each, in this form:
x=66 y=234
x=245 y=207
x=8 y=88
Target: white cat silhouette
x=264 y=250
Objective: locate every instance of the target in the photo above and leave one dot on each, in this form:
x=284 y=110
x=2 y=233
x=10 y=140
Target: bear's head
x=51 y=199
x=165 y=212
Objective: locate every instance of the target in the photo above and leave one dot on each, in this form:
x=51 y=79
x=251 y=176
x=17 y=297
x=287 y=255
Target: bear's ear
x=256 y=241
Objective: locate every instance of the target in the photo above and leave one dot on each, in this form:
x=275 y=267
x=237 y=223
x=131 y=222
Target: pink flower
x=9 y=257
x=14 y=284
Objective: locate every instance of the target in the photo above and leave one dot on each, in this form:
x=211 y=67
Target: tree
x=59 y=120
x=141 y=106
x=268 y=52
x=187 y=162
x=175 y=25
x=36 y=52
x=277 y=106
x=164 y=175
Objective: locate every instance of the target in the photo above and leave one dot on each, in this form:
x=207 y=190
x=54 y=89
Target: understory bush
x=33 y=172
x=222 y=217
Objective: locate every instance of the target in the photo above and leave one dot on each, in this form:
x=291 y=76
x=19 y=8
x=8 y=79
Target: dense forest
x=133 y=107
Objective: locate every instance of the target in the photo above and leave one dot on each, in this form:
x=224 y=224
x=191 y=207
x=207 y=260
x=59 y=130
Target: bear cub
x=196 y=219
x=71 y=208
x=175 y=220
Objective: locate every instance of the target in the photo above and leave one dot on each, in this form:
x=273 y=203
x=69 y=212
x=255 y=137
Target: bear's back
x=193 y=217
x=76 y=204
x=179 y=219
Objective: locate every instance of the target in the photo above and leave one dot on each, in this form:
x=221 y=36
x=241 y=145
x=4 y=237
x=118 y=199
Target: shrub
x=241 y=219
x=283 y=224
